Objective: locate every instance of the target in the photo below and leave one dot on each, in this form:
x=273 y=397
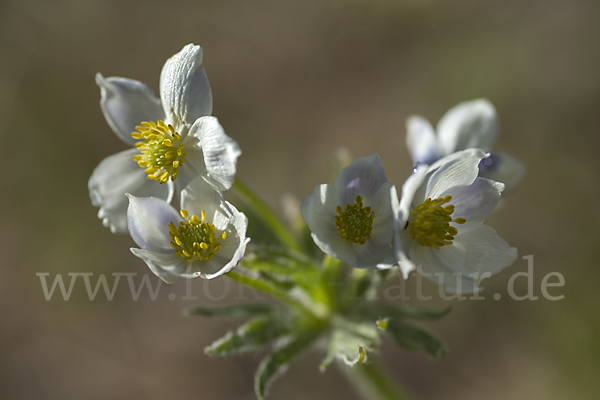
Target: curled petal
x=167 y=266
x=454 y=173
x=471 y=124
x=184 y=88
x=113 y=177
x=148 y=221
x=220 y=151
x=126 y=103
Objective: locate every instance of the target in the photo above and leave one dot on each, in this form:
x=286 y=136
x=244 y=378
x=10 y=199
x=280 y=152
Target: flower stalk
x=268 y=217
x=373 y=382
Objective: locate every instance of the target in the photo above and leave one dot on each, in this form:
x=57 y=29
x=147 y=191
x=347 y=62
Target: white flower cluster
x=435 y=227
x=177 y=148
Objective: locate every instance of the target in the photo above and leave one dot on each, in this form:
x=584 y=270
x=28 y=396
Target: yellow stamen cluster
x=430 y=223
x=162 y=152
x=355 y=222
x=194 y=239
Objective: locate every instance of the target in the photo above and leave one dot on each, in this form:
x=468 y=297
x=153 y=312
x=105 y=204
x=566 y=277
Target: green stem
x=263 y=287
x=268 y=217
x=331 y=269
x=374 y=383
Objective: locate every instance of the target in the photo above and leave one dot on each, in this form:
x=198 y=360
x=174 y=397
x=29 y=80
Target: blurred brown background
x=292 y=81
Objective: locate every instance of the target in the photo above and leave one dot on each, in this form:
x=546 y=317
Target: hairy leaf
x=349 y=341
x=276 y=362
x=248 y=337
x=411 y=337
x=233 y=311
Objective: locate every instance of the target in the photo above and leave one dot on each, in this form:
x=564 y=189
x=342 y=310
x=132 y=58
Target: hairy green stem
x=331 y=269
x=373 y=382
x=266 y=288
x=276 y=226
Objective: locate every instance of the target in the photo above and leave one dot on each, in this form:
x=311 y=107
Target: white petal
x=410 y=189
x=218 y=267
x=332 y=244
x=503 y=167
x=401 y=242
x=472 y=124
x=126 y=103
x=200 y=196
x=167 y=266
x=479 y=200
x=220 y=151
x=363 y=177
x=400 y=236
x=456 y=172
x=192 y=168
x=383 y=223
x=477 y=249
x=184 y=88
x=421 y=140
x=113 y=177
x=373 y=254
x=318 y=210
x=148 y=221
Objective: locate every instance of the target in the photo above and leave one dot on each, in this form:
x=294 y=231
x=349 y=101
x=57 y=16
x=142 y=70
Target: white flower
x=471 y=124
x=174 y=138
x=206 y=239
x=353 y=220
x=439 y=228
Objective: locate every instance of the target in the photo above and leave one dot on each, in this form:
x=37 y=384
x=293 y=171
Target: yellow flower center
x=162 y=152
x=430 y=223
x=355 y=222
x=194 y=239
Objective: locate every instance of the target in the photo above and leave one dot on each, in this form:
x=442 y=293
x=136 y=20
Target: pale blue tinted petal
x=503 y=167
x=475 y=251
x=471 y=124
x=383 y=223
x=220 y=151
x=184 y=88
x=113 y=177
x=148 y=221
x=411 y=189
x=318 y=210
x=400 y=237
x=456 y=172
x=421 y=140
x=373 y=255
x=478 y=201
x=125 y=103
x=361 y=178
x=167 y=266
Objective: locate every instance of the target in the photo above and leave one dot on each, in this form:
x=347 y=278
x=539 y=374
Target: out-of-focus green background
x=292 y=81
